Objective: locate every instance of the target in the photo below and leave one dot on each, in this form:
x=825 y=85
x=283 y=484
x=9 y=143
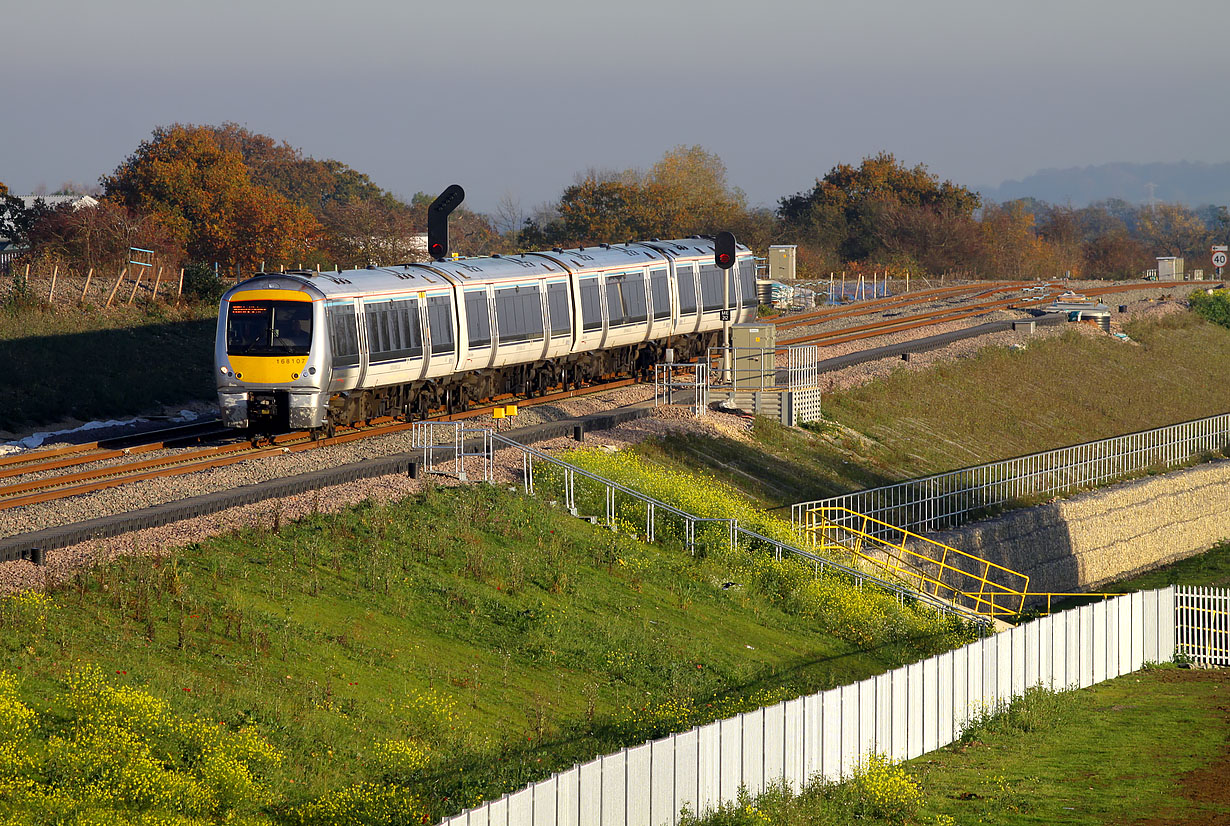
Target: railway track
x=877 y=305
x=941 y=316
x=49 y=488
x=39 y=476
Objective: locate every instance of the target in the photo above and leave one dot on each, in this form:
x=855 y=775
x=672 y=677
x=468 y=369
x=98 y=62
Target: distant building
x=1169 y=268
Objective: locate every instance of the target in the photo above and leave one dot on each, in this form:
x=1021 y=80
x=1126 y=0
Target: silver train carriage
x=313 y=350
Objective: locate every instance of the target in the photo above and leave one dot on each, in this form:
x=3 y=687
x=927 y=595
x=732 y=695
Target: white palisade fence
x=903 y=714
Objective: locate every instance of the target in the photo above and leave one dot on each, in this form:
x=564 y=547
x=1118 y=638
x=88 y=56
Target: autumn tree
x=692 y=195
x=1172 y=229
x=1117 y=255
x=204 y=196
x=1011 y=246
x=311 y=183
x=934 y=238
x=684 y=193
x=840 y=213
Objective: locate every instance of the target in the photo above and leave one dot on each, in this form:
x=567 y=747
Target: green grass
x=506 y=638
x=996 y=404
x=1119 y=752
x=91 y=363
x=1210 y=569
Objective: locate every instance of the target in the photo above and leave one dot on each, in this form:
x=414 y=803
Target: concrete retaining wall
x=1088 y=540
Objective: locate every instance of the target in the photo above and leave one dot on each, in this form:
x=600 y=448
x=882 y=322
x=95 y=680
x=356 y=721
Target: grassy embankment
x=89 y=363
x=994 y=405
x=393 y=662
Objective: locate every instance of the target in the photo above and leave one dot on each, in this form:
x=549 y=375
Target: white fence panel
x=687 y=773
x=664 y=807
x=520 y=806
x=813 y=735
x=751 y=730
x=902 y=713
x=795 y=732
x=945 y=702
x=774 y=767
x=900 y=702
x=614 y=775
x=866 y=739
x=497 y=812
x=930 y=704
x=590 y=791
x=708 y=783
x=544 y=802
x=830 y=734
x=568 y=798
x=638 y=784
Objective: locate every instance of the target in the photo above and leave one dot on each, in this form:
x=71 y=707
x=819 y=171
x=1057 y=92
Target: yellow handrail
x=822 y=525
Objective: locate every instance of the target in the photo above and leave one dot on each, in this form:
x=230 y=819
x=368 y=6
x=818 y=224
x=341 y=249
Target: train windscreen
x=269 y=328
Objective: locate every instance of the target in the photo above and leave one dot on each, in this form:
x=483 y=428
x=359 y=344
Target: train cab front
x=269 y=360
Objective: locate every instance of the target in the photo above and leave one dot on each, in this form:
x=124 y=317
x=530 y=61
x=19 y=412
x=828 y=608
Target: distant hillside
x=1194 y=184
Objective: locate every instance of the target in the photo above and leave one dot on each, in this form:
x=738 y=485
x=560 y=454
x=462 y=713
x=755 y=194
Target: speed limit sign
x=1219 y=259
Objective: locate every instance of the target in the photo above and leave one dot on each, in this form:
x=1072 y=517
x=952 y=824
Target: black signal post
x=724 y=250
x=437 y=220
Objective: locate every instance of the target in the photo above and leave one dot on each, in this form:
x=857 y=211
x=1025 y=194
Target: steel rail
x=892 y=302
x=62 y=486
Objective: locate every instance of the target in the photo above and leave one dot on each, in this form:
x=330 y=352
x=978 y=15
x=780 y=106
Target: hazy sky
x=517 y=97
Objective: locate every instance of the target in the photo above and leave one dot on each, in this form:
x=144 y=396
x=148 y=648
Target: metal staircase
x=935 y=569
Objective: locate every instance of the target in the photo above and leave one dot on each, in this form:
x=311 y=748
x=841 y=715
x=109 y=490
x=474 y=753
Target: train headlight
x=225 y=372
x=311 y=371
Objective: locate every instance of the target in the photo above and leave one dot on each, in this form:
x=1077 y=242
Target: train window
x=747 y=283
x=660 y=288
x=440 y=322
x=478 y=320
x=343 y=334
x=687 y=289
x=711 y=297
x=394 y=330
x=614 y=304
x=269 y=328
x=591 y=305
x=557 y=307
x=627 y=292
x=518 y=311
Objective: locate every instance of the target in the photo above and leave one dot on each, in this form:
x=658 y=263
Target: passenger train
x=312 y=350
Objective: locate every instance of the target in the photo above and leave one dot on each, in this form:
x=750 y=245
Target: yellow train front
x=269 y=360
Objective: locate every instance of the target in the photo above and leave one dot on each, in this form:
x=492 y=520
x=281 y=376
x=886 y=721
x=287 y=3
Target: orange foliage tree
x=203 y=194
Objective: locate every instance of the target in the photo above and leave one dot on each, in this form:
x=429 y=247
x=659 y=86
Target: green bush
x=1213 y=306
x=201 y=283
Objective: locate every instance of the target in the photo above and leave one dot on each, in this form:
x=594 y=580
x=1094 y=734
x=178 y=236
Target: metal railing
x=566 y=477
x=1203 y=625
x=948 y=500
x=456 y=442
x=756 y=368
x=937 y=569
x=671 y=380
